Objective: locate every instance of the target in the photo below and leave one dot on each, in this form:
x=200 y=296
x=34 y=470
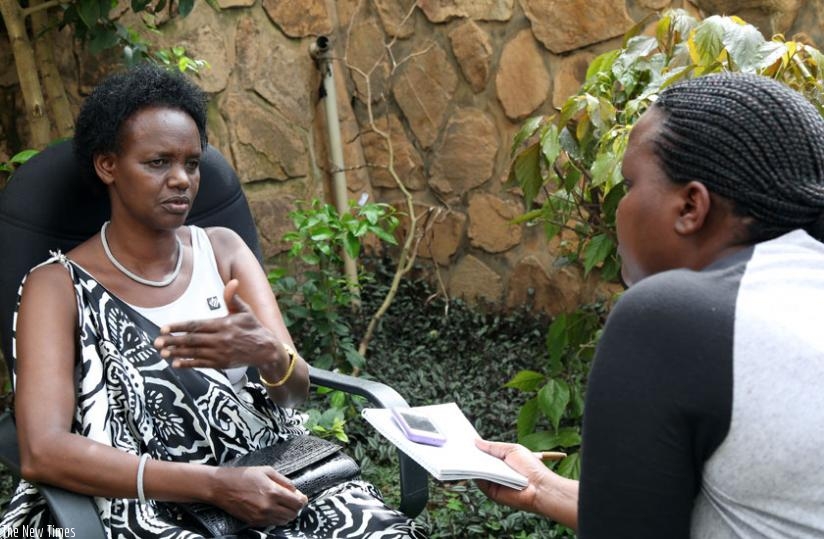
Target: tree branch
x=26 y=66
x=40 y=7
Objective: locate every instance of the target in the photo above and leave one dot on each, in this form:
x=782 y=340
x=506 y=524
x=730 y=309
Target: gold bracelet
x=293 y=359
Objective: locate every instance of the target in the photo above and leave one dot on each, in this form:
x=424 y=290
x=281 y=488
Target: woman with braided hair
x=704 y=406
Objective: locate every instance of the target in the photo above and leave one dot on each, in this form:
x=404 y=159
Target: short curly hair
x=99 y=125
x=753 y=141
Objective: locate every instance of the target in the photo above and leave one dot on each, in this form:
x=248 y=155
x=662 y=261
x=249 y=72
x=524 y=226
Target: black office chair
x=47 y=205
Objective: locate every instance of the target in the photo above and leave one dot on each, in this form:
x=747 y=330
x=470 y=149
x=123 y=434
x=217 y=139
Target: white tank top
x=202 y=299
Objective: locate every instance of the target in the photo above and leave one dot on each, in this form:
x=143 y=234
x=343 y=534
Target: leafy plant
x=30 y=25
x=465 y=356
x=568 y=165
x=312 y=302
x=315 y=302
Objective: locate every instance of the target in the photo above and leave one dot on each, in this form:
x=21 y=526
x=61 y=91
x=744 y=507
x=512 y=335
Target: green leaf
x=567 y=437
x=89 y=12
x=557 y=341
x=744 y=43
x=185 y=6
x=603 y=167
x=311 y=259
x=102 y=38
x=547 y=441
x=21 y=157
x=550 y=144
x=637 y=48
x=602 y=64
x=705 y=42
x=527 y=417
x=322 y=233
x=570 y=467
x=553 y=399
x=140 y=5
x=352 y=246
x=337 y=399
x=527 y=130
x=576 y=402
x=596 y=251
x=526 y=380
x=571 y=108
x=528 y=173
x=385 y=236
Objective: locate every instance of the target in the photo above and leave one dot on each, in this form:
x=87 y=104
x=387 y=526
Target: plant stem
x=14 y=18
x=56 y=99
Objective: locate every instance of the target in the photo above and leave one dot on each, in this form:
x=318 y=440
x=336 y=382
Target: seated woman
x=704 y=405
x=131 y=349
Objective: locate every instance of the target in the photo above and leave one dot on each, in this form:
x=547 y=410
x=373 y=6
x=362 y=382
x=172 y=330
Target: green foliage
x=93 y=25
x=312 y=303
x=467 y=357
x=16 y=160
x=568 y=166
x=551 y=417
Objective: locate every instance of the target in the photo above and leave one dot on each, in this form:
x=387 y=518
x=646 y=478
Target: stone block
x=423 y=90
x=490 y=226
x=566 y=25
x=474 y=281
x=484 y=10
x=522 y=81
x=466 y=156
x=473 y=50
x=299 y=19
x=407 y=162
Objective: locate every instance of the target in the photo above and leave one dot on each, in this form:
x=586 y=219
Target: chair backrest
x=49 y=205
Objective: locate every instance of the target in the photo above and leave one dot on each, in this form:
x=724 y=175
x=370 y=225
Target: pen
x=550 y=455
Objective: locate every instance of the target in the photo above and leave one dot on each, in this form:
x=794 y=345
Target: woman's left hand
x=235 y=340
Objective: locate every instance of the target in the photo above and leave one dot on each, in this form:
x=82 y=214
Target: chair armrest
x=69 y=509
x=414 y=479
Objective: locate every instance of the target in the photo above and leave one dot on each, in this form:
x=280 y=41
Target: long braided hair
x=751 y=140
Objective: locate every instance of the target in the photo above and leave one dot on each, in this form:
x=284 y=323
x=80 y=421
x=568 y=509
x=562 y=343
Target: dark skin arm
x=547 y=493
x=50 y=453
x=252 y=334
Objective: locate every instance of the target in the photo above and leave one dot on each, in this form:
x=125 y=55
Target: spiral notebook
x=458 y=459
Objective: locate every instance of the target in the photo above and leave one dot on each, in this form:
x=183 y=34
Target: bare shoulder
x=48 y=289
x=226 y=243
x=231 y=252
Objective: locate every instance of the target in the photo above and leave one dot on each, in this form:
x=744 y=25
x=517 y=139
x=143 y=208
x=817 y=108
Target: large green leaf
x=527 y=417
x=557 y=341
x=596 y=251
x=527 y=171
x=744 y=44
x=602 y=65
x=89 y=12
x=526 y=380
x=570 y=467
x=706 y=41
x=101 y=38
x=546 y=441
x=526 y=131
x=553 y=399
x=550 y=144
x=185 y=6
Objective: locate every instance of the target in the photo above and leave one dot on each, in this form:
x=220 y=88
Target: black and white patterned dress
x=129 y=397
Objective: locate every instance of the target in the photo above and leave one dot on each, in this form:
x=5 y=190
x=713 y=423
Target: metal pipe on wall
x=320 y=50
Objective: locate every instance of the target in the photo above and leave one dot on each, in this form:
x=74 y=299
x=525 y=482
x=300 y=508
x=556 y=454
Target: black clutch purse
x=311 y=463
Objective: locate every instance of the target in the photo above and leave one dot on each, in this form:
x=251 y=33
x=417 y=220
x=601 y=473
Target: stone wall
x=461 y=77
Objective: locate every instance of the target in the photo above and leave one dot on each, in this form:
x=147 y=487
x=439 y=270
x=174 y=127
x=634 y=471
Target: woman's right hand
x=258 y=495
